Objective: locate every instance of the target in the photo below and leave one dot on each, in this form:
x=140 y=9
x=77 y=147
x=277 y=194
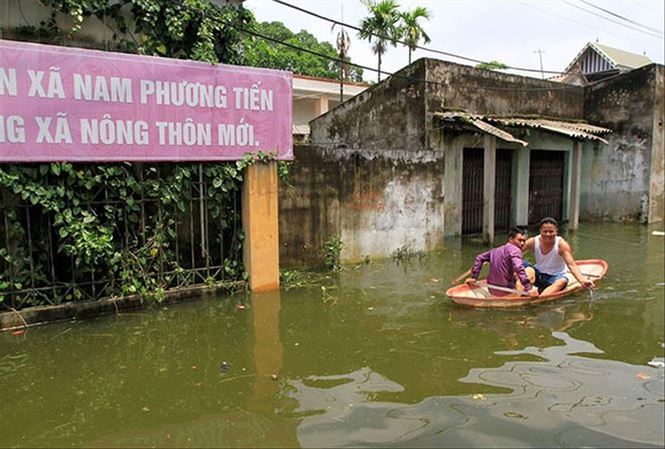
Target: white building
x=313 y=97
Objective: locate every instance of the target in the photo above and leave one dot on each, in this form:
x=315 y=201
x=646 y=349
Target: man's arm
x=478 y=265
x=518 y=268
x=529 y=245
x=566 y=252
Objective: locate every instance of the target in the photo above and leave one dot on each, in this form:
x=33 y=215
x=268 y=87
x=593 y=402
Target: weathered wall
x=456 y=86
x=387 y=116
x=616 y=177
x=657 y=177
x=375 y=201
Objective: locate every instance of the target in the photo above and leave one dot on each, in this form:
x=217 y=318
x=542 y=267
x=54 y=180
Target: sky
x=517 y=33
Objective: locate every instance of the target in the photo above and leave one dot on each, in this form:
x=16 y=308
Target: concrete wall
x=618 y=180
x=657 y=177
x=375 y=201
x=490 y=92
x=387 y=116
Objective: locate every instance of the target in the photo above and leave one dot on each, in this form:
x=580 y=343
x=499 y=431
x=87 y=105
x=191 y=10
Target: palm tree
x=411 y=30
x=380 y=26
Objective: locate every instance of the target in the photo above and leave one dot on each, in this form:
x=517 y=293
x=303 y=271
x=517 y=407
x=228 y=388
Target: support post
x=452 y=187
x=489 y=182
x=575 y=186
x=321 y=105
x=261 y=226
x=521 y=187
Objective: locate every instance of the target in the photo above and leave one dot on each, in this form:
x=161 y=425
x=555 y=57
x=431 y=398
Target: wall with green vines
x=76 y=231
x=79 y=231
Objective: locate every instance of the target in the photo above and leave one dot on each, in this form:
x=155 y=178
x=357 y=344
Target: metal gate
x=472 y=191
x=503 y=190
x=546 y=185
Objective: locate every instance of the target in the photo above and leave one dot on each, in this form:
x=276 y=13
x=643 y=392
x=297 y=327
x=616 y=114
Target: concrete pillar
x=260 y=223
x=489 y=182
x=520 y=187
x=452 y=187
x=321 y=105
x=575 y=185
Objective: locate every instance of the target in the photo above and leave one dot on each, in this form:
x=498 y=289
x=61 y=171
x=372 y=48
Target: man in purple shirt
x=505 y=263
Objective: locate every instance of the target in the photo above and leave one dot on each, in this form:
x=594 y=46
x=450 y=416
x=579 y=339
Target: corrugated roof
x=300 y=129
x=614 y=56
x=622 y=57
x=571 y=129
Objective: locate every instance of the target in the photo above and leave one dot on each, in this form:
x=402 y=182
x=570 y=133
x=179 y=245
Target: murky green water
x=380 y=358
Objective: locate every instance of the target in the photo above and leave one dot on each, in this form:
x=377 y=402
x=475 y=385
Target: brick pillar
x=260 y=223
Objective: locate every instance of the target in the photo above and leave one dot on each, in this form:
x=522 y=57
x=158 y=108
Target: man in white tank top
x=554 y=259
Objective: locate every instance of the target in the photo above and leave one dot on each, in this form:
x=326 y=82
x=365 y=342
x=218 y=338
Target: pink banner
x=70 y=104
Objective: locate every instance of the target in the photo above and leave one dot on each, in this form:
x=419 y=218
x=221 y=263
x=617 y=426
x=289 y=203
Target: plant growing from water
x=404 y=254
x=332 y=249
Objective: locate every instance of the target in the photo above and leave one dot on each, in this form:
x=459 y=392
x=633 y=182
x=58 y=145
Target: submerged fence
x=85 y=231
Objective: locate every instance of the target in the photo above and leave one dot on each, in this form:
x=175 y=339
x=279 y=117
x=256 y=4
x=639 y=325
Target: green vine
x=191 y=29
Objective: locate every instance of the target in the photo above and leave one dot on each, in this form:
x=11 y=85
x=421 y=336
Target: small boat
x=479 y=295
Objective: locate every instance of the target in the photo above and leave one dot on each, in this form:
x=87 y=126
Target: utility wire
x=407 y=78
x=532 y=4
x=648 y=33
x=607 y=11
x=432 y=50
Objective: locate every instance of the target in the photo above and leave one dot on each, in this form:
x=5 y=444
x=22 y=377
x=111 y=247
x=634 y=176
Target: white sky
x=509 y=31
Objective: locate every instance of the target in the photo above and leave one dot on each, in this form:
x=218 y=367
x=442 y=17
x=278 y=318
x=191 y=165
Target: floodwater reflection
x=563 y=400
x=378 y=357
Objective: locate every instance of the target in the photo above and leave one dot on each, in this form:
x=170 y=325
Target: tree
x=492 y=65
x=411 y=30
x=187 y=29
x=380 y=26
x=260 y=52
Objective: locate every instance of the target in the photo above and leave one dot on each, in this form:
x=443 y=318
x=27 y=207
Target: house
x=442 y=149
x=313 y=96
x=597 y=61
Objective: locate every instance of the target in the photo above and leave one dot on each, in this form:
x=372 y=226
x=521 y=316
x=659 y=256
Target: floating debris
x=659 y=233
x=479 y=397
x=145 y=409
x=240 y=307
x=434 y=280
x=224 y=367
x=656 y=363
x=273 y=376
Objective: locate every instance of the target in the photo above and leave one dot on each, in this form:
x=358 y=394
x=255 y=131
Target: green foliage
x=262 y=53
x=492 y=65
x=189 y=29
x=332 y=249
x=405 y=254
x=381 y=27
x=410 y=30
x=114 y=221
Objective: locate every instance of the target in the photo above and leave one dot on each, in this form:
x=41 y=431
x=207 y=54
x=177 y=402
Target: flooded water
x=377 y=357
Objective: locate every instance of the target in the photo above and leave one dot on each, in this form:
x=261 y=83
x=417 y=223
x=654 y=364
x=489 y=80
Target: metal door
x=472 y=191
x=502 y=190
x=546 y=185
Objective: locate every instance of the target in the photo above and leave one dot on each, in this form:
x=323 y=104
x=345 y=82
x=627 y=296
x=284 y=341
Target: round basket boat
x=479 y=294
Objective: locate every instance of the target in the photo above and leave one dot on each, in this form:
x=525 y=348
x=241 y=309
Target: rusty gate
x=472 y=190
x=546 y=185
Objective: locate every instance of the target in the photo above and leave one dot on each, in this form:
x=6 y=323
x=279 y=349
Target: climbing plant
x=190 y=29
